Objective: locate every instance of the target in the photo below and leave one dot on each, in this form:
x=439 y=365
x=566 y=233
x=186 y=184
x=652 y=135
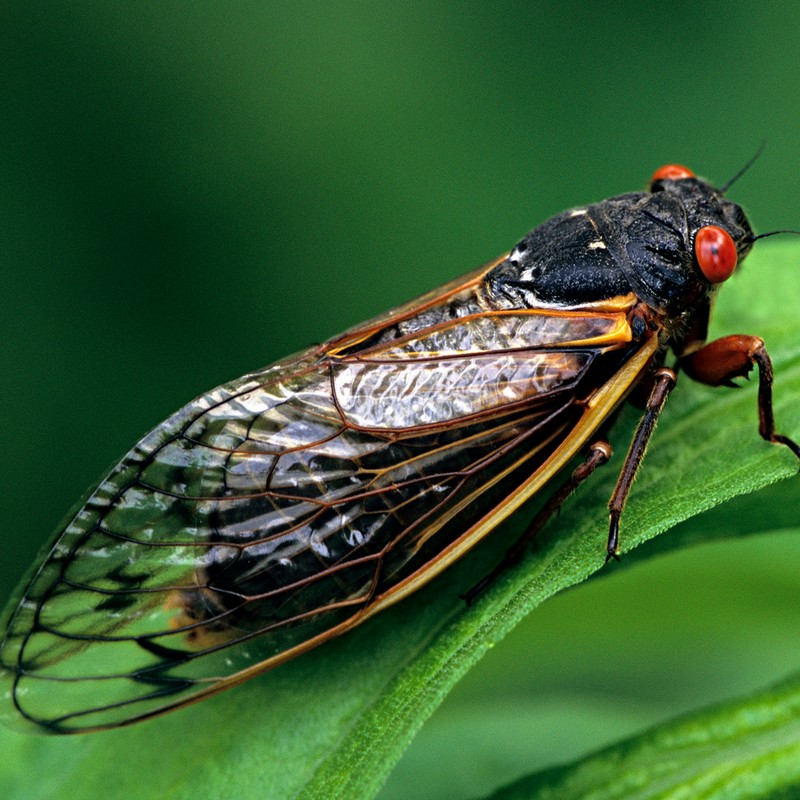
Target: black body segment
x=639 y=242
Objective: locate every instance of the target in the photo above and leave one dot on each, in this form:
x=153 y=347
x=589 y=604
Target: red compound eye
x=671 y=172
x=715 y=251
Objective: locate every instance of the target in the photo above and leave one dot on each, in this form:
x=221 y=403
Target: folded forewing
x=270 y=512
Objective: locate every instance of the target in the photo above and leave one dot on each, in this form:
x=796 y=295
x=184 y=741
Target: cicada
x=284 y=508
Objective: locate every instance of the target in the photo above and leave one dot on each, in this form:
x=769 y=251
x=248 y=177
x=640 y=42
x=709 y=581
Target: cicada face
x=285 y=507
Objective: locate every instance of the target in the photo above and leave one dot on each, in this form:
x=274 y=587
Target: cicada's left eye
x=715 y=252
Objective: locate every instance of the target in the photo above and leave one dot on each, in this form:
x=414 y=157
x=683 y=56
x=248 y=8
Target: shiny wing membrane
x=284 y=507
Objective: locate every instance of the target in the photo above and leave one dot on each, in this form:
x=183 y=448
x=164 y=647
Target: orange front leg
x=719 y=362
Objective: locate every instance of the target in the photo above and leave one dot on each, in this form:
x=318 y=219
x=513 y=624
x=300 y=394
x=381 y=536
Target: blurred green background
x=190 y=191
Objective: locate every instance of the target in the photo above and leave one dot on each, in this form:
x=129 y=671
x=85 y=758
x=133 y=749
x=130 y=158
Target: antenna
x=770 y=233
x=724 y=188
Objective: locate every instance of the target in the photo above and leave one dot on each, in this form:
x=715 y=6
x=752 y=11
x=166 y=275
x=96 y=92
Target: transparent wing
x=269 y=514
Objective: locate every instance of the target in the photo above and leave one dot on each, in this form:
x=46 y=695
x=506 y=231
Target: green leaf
x=333 y=723
x=746 y=749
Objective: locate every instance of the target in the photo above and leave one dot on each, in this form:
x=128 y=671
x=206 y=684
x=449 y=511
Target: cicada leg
x=600 y=452
x=719 y=362
x=664 y=381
